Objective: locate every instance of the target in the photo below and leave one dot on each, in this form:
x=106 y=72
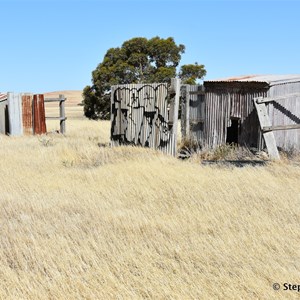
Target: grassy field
x=80 y=220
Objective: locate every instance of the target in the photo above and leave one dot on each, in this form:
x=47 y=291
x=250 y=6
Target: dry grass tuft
x=80 y=220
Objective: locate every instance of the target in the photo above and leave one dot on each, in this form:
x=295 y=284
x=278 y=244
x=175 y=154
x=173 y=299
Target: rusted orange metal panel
x=27 y=114
x=39 y=114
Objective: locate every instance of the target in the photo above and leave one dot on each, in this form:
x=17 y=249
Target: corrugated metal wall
x=285 y=112
x=39 y=120
x=140 y=116
x=192 y=112
x=22 y=114
x=15 y=114
x=27 y=114
x=233 y=100
x=226 y=104
x=223 y=102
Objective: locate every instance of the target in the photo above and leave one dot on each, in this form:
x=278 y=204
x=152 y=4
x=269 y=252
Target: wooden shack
x=224 y=111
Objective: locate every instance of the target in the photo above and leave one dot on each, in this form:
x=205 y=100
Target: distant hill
x=73 y=97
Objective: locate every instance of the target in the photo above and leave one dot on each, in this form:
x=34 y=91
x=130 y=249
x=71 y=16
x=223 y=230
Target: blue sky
x=54 y=45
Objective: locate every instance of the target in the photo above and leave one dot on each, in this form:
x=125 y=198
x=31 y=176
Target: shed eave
x=271 y=80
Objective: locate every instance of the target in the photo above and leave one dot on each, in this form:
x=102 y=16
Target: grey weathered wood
x=197 y=93
x=270 y=99
x=197 y=121
x=264 y=121
x=139 y=115
x=284 y=127
x=57 y=118
x=176 y=83
x=54 y=99
x=15 y=114
x=187 y=111
x=62 y=114
x=3 y=116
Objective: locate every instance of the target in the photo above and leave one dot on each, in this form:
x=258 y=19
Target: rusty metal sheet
x=39 y=114
x=27 y=114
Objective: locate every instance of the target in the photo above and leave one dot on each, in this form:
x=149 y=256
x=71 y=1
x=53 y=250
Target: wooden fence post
x=187 y=112
x=175 y=88
x=62 y=114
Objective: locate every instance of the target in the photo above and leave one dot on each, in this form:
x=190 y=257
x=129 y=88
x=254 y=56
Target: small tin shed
x=229 y=114
x=22 y=113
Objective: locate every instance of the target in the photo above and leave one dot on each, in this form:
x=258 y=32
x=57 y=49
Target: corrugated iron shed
x=229 y=108
x=269 y=79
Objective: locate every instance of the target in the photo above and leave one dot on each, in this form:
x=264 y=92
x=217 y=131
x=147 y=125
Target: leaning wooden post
x=62 y=114
x=264 y=121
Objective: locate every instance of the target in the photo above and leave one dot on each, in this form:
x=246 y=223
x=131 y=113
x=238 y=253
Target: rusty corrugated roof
x=270 y=79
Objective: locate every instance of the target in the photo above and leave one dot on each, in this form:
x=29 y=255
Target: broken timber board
x=285 y=127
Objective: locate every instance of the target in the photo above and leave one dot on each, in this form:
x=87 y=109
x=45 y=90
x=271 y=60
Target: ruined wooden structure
x=231 y=111
x=251 y=111
x=145 y=115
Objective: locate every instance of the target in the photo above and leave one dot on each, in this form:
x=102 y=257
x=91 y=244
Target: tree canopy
x=138 y=60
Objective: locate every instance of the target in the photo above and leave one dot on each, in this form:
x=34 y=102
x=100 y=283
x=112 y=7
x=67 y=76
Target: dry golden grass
x=79 y=221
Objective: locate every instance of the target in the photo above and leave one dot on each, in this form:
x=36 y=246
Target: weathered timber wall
x=285 y=112
x=226 y=101
x=144 y=115
x=192 y=112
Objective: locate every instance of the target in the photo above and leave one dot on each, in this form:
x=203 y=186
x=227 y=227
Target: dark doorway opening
x=233 y=132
